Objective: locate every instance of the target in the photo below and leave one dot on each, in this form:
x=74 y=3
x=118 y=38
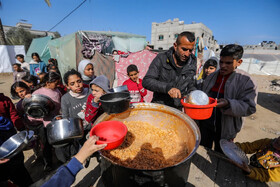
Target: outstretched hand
x=88 y=149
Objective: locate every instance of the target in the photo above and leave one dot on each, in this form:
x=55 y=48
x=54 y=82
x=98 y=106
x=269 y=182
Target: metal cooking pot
x=38 y=106
x=119 y=89
x=14 y=145
x=113 y=103
x=64 y=130
x=156 y=114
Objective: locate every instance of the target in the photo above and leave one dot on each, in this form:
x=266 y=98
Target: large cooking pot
x=15 y=144
x=38 y=106
x=63 y=131
x=156 y=114
x=113 y=103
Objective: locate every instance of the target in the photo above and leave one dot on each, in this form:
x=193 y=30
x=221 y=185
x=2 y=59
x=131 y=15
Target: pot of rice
x=157 y=149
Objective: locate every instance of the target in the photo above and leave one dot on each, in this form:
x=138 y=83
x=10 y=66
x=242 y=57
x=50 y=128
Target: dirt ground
x=265 y=123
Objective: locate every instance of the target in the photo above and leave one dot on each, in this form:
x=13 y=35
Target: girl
x=73 y=104
x=18 y=72
x=20 y=90
x=99 y=86
x=49 y=88
x=86 y=69
x=37 y=66
x=31 y=81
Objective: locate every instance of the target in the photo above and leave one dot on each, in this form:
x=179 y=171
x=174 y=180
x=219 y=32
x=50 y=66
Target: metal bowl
x=14 y=145
x=63 y=131
x=38 y=106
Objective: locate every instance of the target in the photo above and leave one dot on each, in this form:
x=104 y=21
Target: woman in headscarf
x=86 y=69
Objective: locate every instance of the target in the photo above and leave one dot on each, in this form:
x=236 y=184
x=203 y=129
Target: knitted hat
x=102 y=82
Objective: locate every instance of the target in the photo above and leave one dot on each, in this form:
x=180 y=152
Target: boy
x=134 y=84
x=265 y=163
x=236 y=95
x=24 y=65
x=99 y=86
x=18 y=72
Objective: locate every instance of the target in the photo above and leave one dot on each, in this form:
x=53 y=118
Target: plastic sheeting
x=142 y=60
x=64 y=50
x=7 y=56
x=39 y=45
x=129 y=44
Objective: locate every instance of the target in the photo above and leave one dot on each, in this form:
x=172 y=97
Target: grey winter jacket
x=241 y=92
x=162 y=76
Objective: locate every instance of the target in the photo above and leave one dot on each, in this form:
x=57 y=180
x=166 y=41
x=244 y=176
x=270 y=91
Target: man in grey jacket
x=236 y=94
x=171 y=74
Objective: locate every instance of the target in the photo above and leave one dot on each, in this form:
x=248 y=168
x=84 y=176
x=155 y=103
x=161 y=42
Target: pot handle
x=55 y=118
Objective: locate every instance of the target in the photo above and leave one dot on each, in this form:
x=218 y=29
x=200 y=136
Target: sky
x=232 y=21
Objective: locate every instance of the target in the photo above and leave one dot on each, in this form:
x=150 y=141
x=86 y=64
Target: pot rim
x=176 y=112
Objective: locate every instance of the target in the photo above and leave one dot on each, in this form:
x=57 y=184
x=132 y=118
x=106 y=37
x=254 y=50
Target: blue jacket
x=41 y=65
x=65 y=175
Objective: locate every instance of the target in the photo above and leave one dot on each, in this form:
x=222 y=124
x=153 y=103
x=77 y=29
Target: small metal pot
x=38 y=106
x=14 y=145
x=113 y=103
x=64 y=130
x=119 y=89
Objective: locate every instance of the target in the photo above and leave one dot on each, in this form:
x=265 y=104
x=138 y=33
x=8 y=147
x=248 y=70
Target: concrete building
x=164 y=34
x=28 y=26
x=266 y=45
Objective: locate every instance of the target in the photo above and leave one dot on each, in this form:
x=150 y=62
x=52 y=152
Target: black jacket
x=163 y=75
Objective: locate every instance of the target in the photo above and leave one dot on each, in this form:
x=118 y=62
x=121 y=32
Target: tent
x=67 y=49
x=142 y=60
x=40 y=46
x=7 y=56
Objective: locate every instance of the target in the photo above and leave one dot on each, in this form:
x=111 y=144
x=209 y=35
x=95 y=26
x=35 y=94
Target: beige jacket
x=241 y=92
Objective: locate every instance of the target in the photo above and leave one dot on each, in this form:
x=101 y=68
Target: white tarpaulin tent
x=7 y=56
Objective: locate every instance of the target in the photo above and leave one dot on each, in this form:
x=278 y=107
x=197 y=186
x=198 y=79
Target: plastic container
x=111 y=133
x=199 y=112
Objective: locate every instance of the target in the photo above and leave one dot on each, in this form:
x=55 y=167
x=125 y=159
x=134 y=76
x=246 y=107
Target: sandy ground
x=265 y=123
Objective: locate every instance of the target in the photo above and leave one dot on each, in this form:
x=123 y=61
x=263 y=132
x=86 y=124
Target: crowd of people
x=171 y=76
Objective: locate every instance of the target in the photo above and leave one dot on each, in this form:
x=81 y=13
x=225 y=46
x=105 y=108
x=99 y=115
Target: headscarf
x=81 y=69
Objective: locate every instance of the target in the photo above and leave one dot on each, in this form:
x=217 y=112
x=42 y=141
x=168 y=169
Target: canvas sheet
x=40 y=46
x=142 y=60
x=7 y=56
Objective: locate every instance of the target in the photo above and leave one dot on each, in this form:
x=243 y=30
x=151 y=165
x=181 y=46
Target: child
x=134 y=84
x=18 y=72
x=37 y=66
x=20 y=90
x=236 y=95
x=24 y=65
x=49 y=88
x=265 y=161
x=86 y=69
x=14 y=169
x=209 y=67
x=53 y=61
x=31 y=81
x=99 y=86
x=73 y=104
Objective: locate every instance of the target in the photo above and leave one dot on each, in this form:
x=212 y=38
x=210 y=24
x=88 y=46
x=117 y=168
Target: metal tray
x=233 y=152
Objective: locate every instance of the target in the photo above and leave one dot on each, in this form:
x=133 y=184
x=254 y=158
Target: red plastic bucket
x=199 y=112
x=110 y=132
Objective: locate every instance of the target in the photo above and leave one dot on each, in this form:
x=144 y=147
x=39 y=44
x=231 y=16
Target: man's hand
x=4 y=160
x=88 y=149
x=222 y=103
x=137 y=80
x=174 y=93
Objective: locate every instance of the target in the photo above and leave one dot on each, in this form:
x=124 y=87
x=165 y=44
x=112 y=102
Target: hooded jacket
x=241 y=93
x=162 y=75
